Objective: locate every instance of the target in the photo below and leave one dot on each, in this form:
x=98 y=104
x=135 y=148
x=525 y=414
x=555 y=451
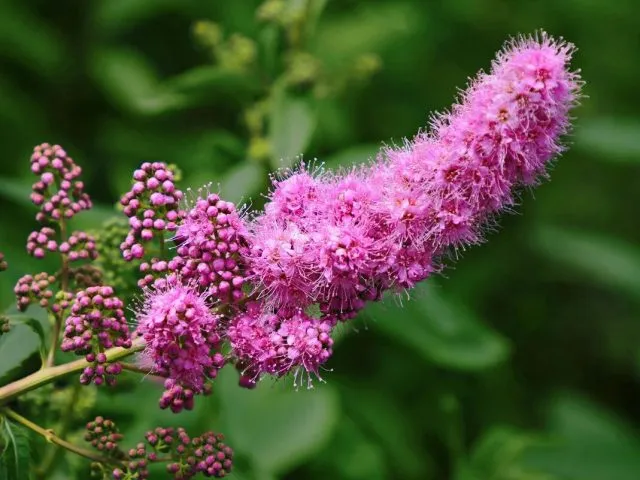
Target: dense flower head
x=280 y=261
x=211 y=240
x=277 y=344
x=152 y=206
x=96 y=322
x=338 y=241
x=58 y=193
x=500 y=137
x=3 y=263
x=181 y=336
x=295 y=197
x=34 y=289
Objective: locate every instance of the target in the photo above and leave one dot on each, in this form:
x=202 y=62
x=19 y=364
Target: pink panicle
x=277 y=344
x=337 y=241
x=181 y=335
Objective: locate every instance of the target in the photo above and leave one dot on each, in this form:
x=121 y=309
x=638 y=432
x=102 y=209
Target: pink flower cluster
x=276 y=345
x=206 y=454
x=96 y=322
x=332 y=242
x=79 y=245
x=152 y=206
x=58 y=193
x=211 y=240
x=182 y=341
x=34 y=289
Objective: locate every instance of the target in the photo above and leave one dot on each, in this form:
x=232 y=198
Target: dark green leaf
x=27 y=39
x=211 y=81
x=34 y=324
x=131 y=83
x=15 y=457
x=374 y=412
x=499 y=454
x=19 y=351
x=118 y=15
x=614 y=139
x=598 y=259
x=590 y=443
x=443 y=332
x=274 y=425
x=17 y=191
x=375 y=26
x=292 y=125
x=353 y=156
x=242 y=181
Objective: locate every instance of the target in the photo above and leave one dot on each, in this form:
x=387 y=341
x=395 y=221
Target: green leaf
x=352 y=455
x=441 y=331
x=590 y=443
x=211 y=81
x=293 y=122
x=274 y=425
x=353 y=156
x=93 y=219
x=499 y=454
x=132 y=84
x=389 y=427
x=242 y=181
x=118 y=15
x=15 y=458
x=614 y=139
x=598 y=259
x=374 y=26
x=19 y=353
x=17 y=191
x=34 y=324
x=27 y=39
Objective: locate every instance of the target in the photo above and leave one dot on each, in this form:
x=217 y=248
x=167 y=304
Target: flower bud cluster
x=96 y=322
x=3 y=263
x=79 y=245
x=34 y=289
x=86 y=276
x=206 y=454
x=58 y=193
x=152 y=206
x=104 y=436
x=211 y=240
x=136 y=465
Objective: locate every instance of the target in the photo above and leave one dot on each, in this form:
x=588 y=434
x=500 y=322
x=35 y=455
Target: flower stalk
x=51 y=374
x=51 y=437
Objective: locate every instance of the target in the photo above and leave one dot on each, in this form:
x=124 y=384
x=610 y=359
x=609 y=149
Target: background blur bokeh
x=520 y=363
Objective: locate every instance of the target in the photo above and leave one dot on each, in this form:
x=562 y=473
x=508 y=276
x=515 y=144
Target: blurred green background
x=522 y=362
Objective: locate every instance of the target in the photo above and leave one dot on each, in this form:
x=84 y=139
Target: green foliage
x=15 y=451
x=303 y=420
x=292 y=123
x=22 y=347
x=449 y=335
